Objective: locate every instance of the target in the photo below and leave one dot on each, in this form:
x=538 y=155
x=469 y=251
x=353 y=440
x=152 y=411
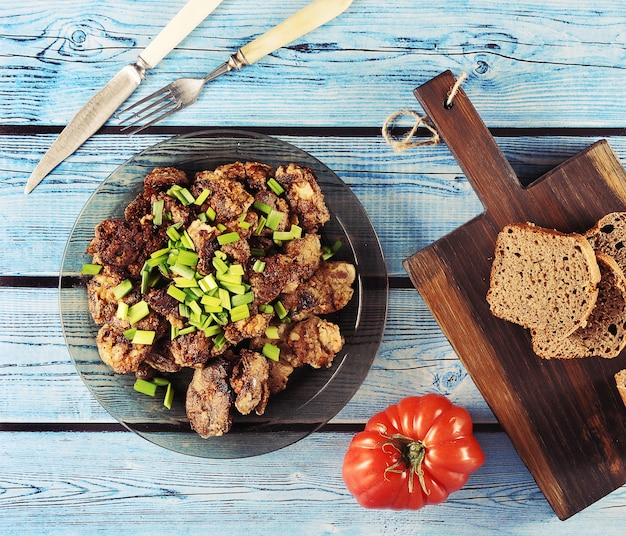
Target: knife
x=104 y=103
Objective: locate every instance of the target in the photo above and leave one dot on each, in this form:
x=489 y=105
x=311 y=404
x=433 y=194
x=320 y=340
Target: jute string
x=407 y=142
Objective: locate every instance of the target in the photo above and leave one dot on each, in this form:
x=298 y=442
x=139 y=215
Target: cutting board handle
x=473 y=146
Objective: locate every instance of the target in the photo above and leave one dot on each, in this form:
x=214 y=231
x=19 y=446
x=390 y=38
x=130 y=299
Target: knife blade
x=104 y=103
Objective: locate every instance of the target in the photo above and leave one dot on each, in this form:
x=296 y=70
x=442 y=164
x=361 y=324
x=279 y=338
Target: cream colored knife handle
x=304 y=21
x=192 y=14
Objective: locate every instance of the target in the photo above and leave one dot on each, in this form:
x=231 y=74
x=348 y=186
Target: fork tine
x=154 y=111
x=141 y=113
x=163 y=91
x=173 y=108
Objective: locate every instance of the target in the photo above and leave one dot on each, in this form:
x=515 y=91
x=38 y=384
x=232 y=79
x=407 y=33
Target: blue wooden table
x=547 y=78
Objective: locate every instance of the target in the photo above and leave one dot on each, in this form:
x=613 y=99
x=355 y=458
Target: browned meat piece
x=315 y=342
x=162 y=361
x=235 y=171
x=161 y=302
x=191 y=350
x=162 y=179
x=176 y=211
x=269 y=198
x=204 y=237
x=126 y=245
x=286 y=353
x=229 y=198
x=284 y=271
x=304 y=196
x=278 y=375
x=238 y=252
x=209 y=399
x=100 y=297
x=329 y=290
x=138 y=208
x=249 y=381
x=257 y=175
x=247 y=328
x=306 y=253
x=268 y=284
x=118 y=352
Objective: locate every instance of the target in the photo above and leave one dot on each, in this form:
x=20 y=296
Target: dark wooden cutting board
x=564 y=417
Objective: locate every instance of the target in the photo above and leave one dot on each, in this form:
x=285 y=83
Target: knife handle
x=190 y=16
x=304 y=21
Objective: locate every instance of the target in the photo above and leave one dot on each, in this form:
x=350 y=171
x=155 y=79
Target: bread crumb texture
x=543 y=279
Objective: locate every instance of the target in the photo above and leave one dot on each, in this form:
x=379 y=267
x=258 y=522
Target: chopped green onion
x=296 y=231
x=187 y=330
x=123 y=289
x=271 y=352
x=273 y=219
x=157 y=211
x=183 y=271
x=91 y=269
x=275 y=186
x=240 y=299
x=272 y=332
x=280 y=310
x=207 y=283
x=187 y=257
x=169 y=396
x=130 y=333
x=184 y=282
x=228 y=278
x=183 y=310
x=258 y=266
x=224 y=298
x=280 y=236
x=138 y=311
x=211 y=301
x=204 y=195
x=239 y=312
x=257 y=252
x=236 y=269
x=219 y=265
x=266 y=308
x=211 y=214
x=212 y=330
x=172 y=232
x=145 y=387
x=219 y=341
x=228 y=238
x=161 y=382
x=261 y=225
x=176 y=293
x=122 y=311
x=328 y=252
x=143 y=337
x=262 y=207
x=187 y=241
x=235 y=288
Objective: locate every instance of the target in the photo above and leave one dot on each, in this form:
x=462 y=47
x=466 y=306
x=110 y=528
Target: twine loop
x=407 y=142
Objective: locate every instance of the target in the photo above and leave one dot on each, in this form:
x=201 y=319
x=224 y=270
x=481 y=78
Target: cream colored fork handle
x=190 y=16
x=300 y=23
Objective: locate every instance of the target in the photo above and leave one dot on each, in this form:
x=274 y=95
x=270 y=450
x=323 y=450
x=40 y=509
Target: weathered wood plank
x=425 y=193
x=69 y=483
x=41 y=385
x=353 y=71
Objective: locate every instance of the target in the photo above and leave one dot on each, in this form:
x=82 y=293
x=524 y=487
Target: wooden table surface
x=546 y=77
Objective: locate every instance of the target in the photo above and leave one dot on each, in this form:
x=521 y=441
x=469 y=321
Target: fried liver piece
x=209 y=399
x=249 y=381
x=315 y=342
x=304 y=196
x=329 y=290
x=118 y=352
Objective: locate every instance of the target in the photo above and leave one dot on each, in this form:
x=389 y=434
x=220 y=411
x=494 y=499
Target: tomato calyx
x=412 y=453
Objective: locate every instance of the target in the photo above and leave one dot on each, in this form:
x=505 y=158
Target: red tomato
x=414 y=453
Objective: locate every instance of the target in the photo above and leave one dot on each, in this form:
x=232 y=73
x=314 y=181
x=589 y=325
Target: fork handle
x=304 y=21
x=190 y=16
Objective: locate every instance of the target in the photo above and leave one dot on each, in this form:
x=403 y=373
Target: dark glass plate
x=312 y=397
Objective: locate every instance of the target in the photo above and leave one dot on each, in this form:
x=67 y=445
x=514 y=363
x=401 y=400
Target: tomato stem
x=412 y=454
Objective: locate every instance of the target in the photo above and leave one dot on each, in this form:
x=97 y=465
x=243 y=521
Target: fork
x=185 y=91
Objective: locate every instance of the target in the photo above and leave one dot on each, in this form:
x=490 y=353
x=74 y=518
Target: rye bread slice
x=620 y=381
x=543 y=279
x=608 y=236
x=605 y=332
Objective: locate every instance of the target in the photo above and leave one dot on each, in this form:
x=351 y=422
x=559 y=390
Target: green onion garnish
x=273 y=219
x=280 y=310
x=122 y=289
x=157 y=211
x=122 y=311
x=204 y=195
x=271 y=352
x=145 y=387
x=228 y=238
x=130 y=333
x=272 y=332
x=143 y=337
x=176 y=293
x=169 y=395
x=275 y=186
x=91 y=269
x=258 y=266
x=137 y=312
x=262 y=207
